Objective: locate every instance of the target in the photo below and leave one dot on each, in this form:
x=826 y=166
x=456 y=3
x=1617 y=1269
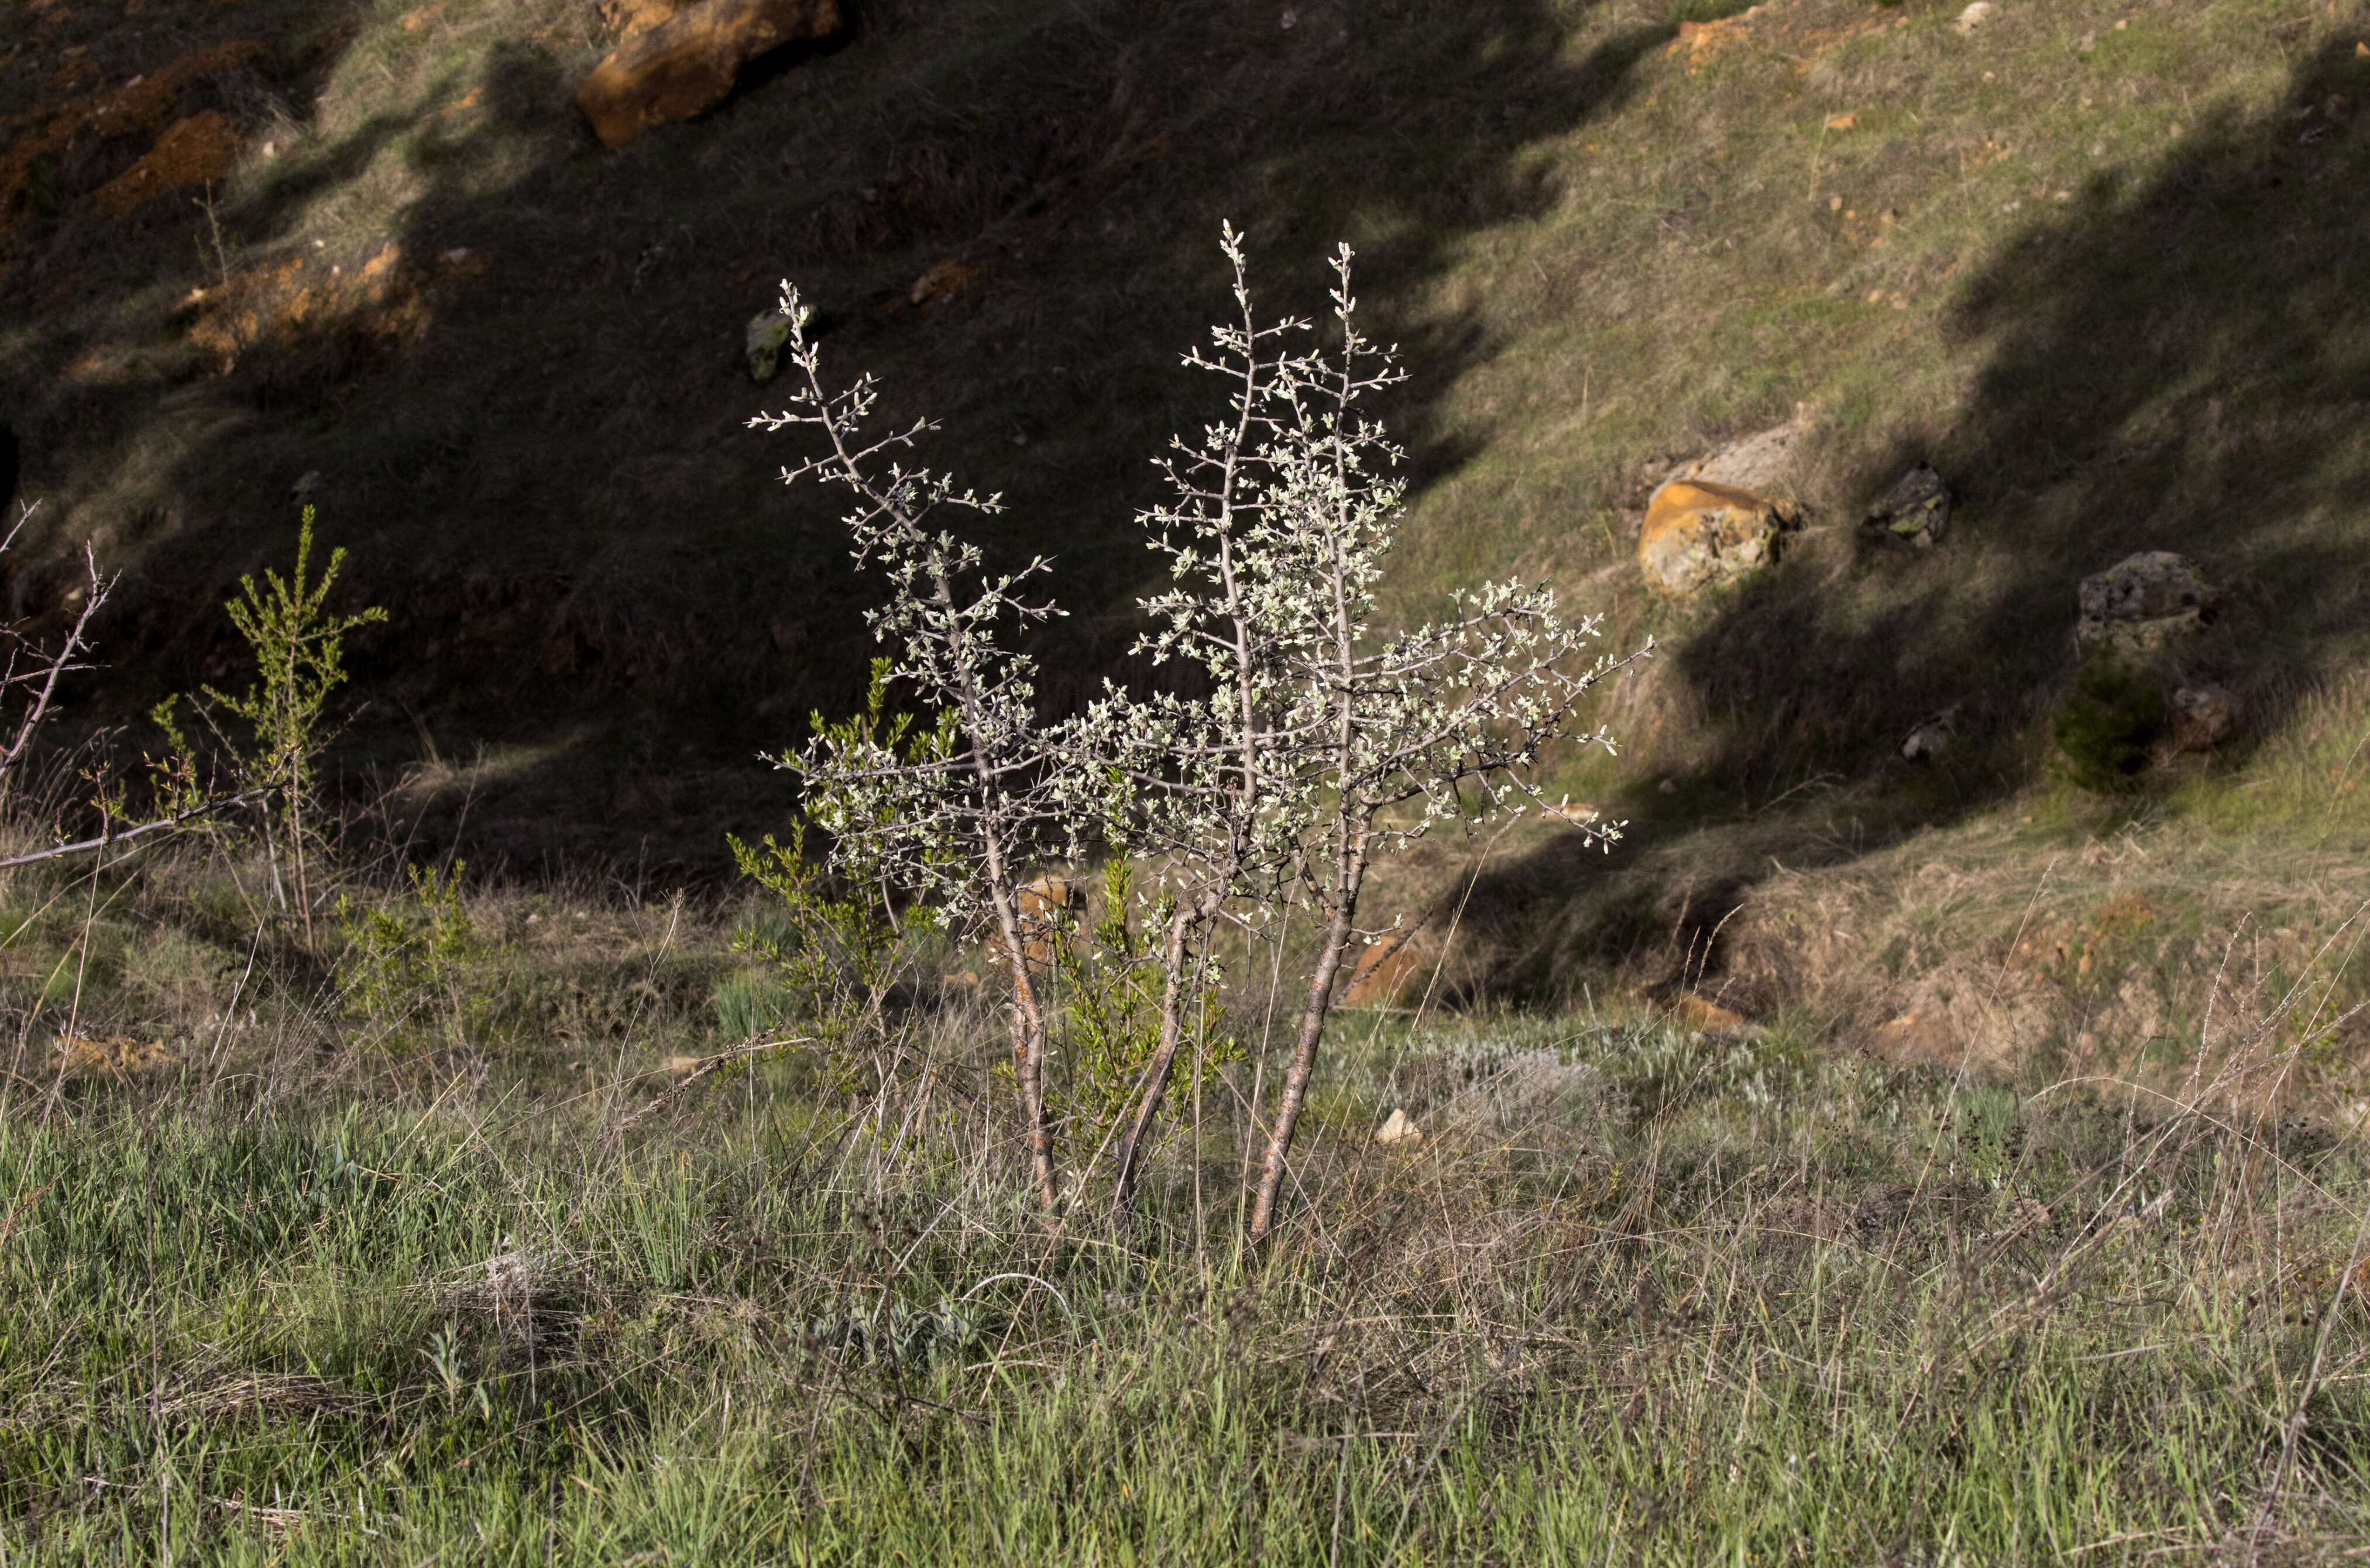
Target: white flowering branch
x=1320 y=743
x=957 y=814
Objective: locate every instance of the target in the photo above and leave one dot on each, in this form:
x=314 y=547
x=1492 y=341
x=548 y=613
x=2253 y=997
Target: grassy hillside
x=2018 y=1218
x=2094 y=261
x=2099 y=264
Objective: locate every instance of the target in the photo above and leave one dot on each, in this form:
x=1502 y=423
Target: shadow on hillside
x=532 y=435
x=2178 y=358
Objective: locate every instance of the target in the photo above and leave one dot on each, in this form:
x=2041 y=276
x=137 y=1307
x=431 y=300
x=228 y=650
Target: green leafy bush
x=409 y=969
x=2104 y=725
x=1112 y=1015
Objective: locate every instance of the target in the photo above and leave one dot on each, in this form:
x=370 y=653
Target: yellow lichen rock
x=1697 y=533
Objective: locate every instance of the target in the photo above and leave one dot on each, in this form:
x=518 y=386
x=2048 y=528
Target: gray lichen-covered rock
x=768 y=334
x=1916 y=511
x=2142 y=602
x=1763 y=462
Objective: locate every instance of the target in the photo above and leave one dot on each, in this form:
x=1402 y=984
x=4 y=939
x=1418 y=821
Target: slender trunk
x=1164 y=1061
x=1350 y=838
x=1028 y=1048
x=1304 y=1054
x=1029 y=1012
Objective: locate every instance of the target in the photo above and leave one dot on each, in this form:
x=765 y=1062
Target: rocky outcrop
x=1916 y=511
x=1697 y=533
x=689 y=62
x=2142 y=602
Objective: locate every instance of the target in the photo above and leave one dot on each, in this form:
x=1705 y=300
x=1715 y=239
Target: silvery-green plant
x=960 y=815
x=1325 y=742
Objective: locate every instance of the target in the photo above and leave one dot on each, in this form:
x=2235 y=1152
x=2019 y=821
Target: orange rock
x=191 y=152
x=689 y=62
x=1702 y=1012
x=1393 y=972
x=631 y=18
x=941 y=279
x=1696 y=534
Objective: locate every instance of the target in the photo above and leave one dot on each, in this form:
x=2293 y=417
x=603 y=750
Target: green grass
x=1637 y=1294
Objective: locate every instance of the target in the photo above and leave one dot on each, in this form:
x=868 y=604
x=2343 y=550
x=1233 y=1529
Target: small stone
x=1398 y=1130
x=2203 y=716
x=1931 y=736
x=2142 y=602
x=1916 y=511
x=1975 y=15
x=306 y=484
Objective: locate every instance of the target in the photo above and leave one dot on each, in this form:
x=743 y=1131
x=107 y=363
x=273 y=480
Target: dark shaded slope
x=2180 y=359
x=533 y=435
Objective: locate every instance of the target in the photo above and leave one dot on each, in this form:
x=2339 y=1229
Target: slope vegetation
x=2100 y=263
